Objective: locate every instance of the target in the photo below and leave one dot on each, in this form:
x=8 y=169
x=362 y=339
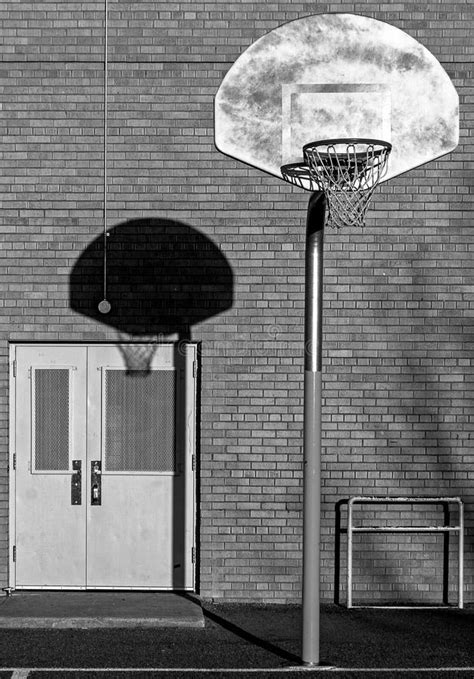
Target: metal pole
x=447 y=521
x=349 y=553
x=312 y=425
x=461 y=555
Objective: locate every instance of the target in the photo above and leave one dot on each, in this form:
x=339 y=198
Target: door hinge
x=14 y=461
x=193 y=463
x=14 y=368
x=195 y=370
x=193 y=554
x=14 y=553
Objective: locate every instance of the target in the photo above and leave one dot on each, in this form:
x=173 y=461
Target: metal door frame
x=12 y=452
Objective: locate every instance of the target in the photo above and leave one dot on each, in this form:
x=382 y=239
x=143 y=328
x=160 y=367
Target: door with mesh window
x=104 y=468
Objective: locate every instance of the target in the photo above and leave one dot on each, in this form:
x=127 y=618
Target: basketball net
x=346 y=170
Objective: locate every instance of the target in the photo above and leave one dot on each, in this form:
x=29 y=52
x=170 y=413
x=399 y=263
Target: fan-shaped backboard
x=330 y=76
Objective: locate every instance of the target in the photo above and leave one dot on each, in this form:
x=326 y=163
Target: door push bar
x=96 y=485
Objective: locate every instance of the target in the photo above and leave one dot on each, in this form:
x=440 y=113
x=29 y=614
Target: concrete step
x=88 y=610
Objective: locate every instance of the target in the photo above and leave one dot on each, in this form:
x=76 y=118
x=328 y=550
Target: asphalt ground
x=253 y=641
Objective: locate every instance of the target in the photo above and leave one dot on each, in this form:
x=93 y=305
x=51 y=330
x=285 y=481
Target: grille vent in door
x=139 y=425
x=51 y=430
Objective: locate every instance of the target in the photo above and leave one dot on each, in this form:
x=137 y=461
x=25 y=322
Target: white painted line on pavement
x=402 y=669
x=23 y=672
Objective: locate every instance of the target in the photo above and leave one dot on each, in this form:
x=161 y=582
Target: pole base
x=315 y=665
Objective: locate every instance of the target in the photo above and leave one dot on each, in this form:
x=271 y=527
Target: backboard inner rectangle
x=328 y=111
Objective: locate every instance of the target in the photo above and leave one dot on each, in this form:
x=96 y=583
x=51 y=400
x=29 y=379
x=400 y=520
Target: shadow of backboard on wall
x=163 y=277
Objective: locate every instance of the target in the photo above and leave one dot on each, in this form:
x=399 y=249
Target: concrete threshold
x=92 y=610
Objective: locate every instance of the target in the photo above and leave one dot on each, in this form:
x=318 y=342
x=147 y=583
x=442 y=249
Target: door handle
x=96 y=484
x=76 y=482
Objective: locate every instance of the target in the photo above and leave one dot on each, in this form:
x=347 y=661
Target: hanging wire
x=104 y=306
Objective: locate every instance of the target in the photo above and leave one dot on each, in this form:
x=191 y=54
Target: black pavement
x=253 y=641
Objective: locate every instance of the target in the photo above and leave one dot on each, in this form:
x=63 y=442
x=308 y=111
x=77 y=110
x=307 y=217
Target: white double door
x=103 y=472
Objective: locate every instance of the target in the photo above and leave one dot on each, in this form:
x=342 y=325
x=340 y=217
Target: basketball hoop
x=300 y=175
x=346 y=170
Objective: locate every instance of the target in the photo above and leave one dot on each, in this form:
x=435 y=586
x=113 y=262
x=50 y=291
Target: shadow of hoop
x=137 y=356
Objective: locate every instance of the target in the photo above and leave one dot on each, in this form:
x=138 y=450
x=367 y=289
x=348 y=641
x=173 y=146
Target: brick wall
x=399 y=377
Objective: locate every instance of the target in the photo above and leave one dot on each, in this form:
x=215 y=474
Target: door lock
x=76 y=482
x=96 y=484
